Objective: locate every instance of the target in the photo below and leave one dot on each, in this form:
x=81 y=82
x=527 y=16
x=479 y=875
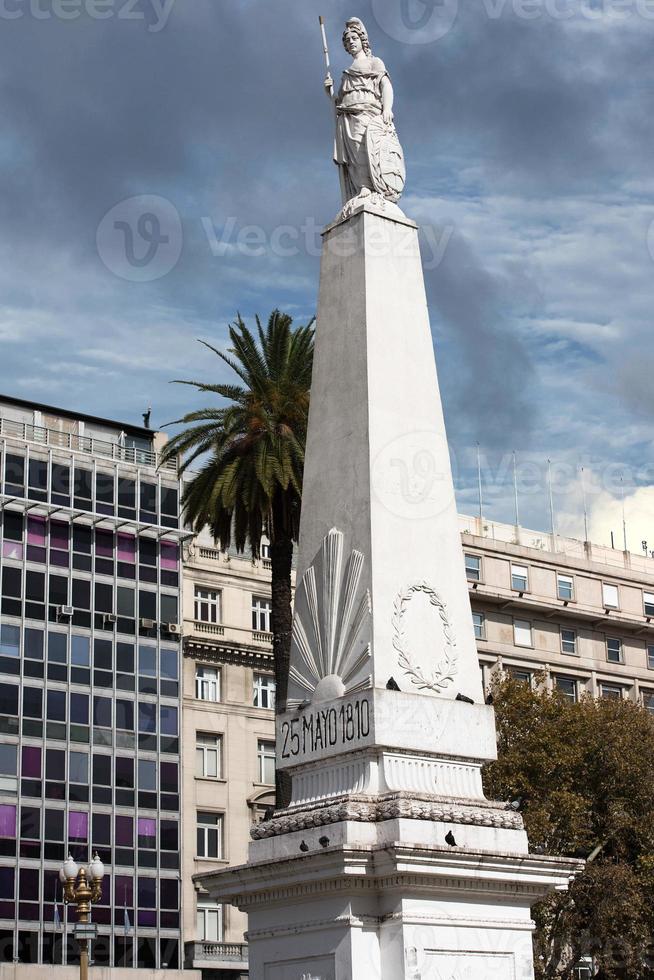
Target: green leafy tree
x=584 y=774
x=250 y=453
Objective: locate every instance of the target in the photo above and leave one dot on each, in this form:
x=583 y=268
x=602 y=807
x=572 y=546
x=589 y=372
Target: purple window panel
x=78 y=825
x=59 y=534
x=124 y=890
x=126 y=547
x=104 y=544
x=147 y=827
x=36 y=531
x=12 y=549
x=125 y=831
x=31 y=762
x=169 y=555
x=7 y=820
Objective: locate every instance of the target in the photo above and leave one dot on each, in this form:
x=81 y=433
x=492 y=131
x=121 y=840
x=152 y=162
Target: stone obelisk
x=389 y=862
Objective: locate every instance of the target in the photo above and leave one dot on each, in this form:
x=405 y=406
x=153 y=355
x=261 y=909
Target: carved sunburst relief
x=331 y=641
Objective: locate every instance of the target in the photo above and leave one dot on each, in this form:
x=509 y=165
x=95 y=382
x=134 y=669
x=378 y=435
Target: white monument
x=389 y=863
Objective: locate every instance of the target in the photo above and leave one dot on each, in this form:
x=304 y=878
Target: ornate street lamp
x=82 y=886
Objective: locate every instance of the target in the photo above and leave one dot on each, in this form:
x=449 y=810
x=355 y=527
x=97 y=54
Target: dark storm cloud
x=533 y=138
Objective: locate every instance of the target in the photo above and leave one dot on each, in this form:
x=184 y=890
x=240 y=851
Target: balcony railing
x=259 y=637
x=214 y=628
x=223 y=954
x=55 y=439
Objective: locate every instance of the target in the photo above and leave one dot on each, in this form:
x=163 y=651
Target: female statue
x=367 y=149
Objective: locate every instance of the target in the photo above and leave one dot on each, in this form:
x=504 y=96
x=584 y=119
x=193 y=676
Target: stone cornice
x=397 y=867
x=390 y=806
x=227 y=653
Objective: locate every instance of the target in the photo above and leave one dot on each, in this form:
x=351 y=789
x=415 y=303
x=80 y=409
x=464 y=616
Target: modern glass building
x=89 y=685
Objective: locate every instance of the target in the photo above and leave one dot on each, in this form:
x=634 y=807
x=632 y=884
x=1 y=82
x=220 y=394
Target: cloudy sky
x=199 y=128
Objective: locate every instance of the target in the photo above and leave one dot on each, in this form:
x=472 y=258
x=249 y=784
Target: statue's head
x=355 y=37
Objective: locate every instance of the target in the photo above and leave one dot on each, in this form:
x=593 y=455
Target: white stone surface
x=377 y=464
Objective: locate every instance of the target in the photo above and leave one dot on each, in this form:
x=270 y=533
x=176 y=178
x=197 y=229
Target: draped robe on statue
x=362 y=137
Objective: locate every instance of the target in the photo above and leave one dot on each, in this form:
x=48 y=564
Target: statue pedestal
x=389 y=862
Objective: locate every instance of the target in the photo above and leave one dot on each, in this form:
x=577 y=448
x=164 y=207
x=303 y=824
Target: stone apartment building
x=228 y=737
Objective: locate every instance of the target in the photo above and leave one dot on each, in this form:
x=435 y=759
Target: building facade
x=90 y=700
x=579 y=613
x=137 y=702
x=228 y=737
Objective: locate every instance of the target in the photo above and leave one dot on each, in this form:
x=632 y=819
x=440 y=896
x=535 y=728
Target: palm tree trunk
x=281 y=557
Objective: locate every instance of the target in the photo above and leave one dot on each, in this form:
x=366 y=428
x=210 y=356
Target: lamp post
x=82 y=886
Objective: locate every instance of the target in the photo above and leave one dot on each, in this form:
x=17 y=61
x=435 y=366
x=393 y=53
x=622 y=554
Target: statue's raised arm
x=367 y=149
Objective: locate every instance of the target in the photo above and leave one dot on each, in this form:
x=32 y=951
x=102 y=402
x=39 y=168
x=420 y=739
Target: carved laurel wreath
x=444 y=672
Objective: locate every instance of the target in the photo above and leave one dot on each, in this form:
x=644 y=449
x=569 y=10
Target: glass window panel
x=125 y=658
x=79 y=709
x=56 y=706
x=147 y=661
x=57 y=647
x=104 y=544
x=9 y=699
x=9 y=640
x=147 y=775
x=34 y=642
x=78 y=767
x=36 y=531
x=78 y=825
x=59 y=535
x=126 y=547
x=125 y=602
x=610 y=595
x=169 y=556
x=124 y=831
x=7 y=820
x=169 y=608
x=168 y=716
x=33 y=702
x=31 y=762
x=169 y=667
x=34 y=586
x=55 y=765
x=125 y=715
x=147 y=718
x=125 y=772
x=101 y=770
x=102 y=712
x=80 y=650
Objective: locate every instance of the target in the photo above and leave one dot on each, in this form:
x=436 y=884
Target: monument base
x=390 y=911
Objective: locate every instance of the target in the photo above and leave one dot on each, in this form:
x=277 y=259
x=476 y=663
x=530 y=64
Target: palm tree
x=251 y=481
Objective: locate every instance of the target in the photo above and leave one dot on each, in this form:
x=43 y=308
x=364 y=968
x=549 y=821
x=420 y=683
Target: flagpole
x=583 y=493
x=481 y=495
x=624 y=519
x=549 y=480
